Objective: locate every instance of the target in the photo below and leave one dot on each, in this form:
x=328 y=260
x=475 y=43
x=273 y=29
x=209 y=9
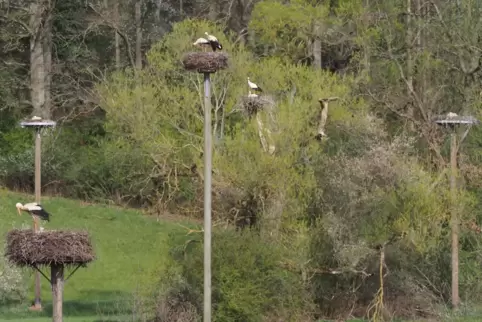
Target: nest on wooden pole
x=61 y=247
x=205 y=62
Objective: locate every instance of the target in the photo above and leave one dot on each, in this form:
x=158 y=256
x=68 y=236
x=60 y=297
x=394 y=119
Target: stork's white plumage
x=451 y=115
x=213 y=42
x=35 y=210
x=202 y=42
x=254 y=86
x=35 y=118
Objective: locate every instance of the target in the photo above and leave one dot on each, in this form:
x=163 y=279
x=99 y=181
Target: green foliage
x=286 y=27
x=131 y=250
x=12 y=283
x=248 y=284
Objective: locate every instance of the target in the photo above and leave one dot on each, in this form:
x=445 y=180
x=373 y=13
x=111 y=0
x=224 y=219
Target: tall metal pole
x=38 y=145
x=455 y=222
x=207 y=197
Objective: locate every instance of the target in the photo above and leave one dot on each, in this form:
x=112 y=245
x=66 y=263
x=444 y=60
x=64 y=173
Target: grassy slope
x=130 y=249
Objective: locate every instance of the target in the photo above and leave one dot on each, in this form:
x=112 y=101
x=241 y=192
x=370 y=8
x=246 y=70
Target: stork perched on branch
x=35 y=210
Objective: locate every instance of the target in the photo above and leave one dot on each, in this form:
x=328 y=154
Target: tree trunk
x=37 y=68
x=57 y=280
x=260 y=132
x=213 y=10
x=117 y=36
x=323 y=118
x=316 y=46
x=138 y=17
x=47 y=52
x=409 y=40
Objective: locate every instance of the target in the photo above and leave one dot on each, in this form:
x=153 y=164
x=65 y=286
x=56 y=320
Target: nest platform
x=252 y=104
x=205 y=62
x=53 y=247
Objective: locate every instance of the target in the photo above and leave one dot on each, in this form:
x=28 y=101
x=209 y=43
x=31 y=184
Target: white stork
x=451 y=115
x=35 y=210
x=254 y=87
x=202 y=42
x=213 y=42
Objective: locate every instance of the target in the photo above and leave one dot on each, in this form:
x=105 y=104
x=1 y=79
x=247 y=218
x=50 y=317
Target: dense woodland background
x=313 y=218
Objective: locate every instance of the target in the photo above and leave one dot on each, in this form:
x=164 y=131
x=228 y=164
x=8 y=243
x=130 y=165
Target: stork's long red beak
x=19 y=212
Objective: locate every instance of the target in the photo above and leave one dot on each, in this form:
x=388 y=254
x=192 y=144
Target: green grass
x=130 y=249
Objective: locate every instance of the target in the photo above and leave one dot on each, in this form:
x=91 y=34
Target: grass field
x=131 y=253
x=130 y=248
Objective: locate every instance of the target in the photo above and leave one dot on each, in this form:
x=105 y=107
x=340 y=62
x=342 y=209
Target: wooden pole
x=207 y=197
x=38 y=146
x=454 y=220
x=57 y=280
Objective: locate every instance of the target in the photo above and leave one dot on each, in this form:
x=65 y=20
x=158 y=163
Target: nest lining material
x=28 y=248
x=205 y=62
x=251 y=105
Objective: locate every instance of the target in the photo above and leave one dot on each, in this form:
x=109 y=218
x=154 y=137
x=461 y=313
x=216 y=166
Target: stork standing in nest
x=35 y=210
x=254 y=87
x=202 y=42
x=324 y=116
x=213 y=41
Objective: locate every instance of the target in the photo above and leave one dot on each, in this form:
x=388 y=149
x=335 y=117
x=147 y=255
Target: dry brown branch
x=317 y=271
x=324 y=115
x=205 y=62
x=267 y=147
x=28 y=248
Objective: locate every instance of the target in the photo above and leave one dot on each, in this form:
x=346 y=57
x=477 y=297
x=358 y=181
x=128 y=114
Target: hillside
x=130 y=250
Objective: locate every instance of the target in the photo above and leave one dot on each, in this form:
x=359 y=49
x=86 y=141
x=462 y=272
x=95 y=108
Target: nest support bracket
x=65 y=280
x=40 y=271
x=72 y=273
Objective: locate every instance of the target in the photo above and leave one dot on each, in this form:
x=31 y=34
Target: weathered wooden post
x=38 y=124
x=207 y=63
x=324 y=102
x=453 y=122
x=253 y=104
x=55 y=249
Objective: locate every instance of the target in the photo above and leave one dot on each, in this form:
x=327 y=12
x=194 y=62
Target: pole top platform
x=36 y=121
x=454 y=119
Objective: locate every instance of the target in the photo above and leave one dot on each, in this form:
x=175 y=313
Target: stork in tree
x=213 y=41
x=323 y=116
x=254 y=87
x=36 y=211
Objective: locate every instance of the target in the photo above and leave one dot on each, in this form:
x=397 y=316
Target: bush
x=12 y=284
x=248 y=282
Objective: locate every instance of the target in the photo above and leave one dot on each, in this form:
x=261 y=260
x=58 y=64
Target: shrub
x=247 y=281
x=12 y=284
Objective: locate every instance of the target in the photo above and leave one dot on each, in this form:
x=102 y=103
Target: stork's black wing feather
x=41 y=213
x=215 y=45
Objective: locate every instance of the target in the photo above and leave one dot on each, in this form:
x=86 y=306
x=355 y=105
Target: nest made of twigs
x=252 y=104
x=205 y=62
x=29 y=248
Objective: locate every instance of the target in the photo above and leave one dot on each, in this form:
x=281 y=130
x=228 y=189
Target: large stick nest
x=28 y=248
x=252 y=104
x=205 y=62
